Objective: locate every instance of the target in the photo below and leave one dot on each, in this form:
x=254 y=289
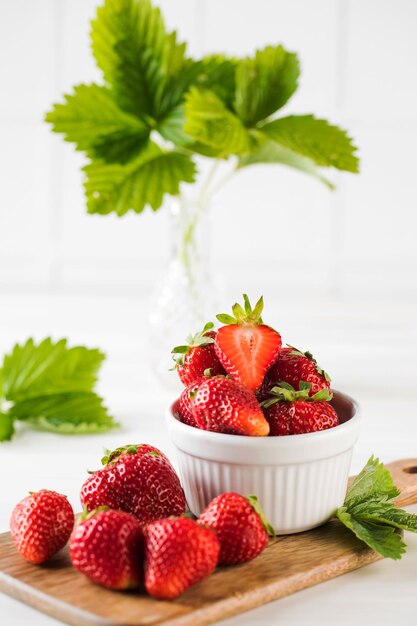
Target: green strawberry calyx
x=254 y=502
x=244 y=316
x=112 y=456
x=193 y=341
x=310 y=357
x=284 y=392
x=86 y=514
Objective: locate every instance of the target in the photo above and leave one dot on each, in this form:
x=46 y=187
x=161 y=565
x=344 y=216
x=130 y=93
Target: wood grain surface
x=289 y=564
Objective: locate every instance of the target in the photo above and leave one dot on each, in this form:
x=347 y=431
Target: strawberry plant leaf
x=370 y=513
x=6 y=426
x=208 y=121
x=326 y=145
x=48 y=368
x=373 y=482
x=382 y=539
x=272 y=153
x=66 y=413
x=91 y=119
x=128 y=42
x=265 y=83
x=121 y=188
x=218 y=73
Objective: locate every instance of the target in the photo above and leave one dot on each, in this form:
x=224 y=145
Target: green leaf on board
x=370 y=513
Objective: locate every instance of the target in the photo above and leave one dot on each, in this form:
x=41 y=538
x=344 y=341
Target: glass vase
x=185 y=298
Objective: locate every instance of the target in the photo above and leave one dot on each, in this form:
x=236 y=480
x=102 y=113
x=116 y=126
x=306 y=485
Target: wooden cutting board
x=289 y=564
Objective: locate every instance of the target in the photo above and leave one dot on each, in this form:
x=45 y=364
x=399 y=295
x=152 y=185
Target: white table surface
x=368 y=348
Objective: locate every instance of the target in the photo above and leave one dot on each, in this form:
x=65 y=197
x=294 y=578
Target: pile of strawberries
x=134 y=532
x=239 y=380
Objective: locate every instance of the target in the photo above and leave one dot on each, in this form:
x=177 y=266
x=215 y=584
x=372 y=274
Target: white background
x=337 y=269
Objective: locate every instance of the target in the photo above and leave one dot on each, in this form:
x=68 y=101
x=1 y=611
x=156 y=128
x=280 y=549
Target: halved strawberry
x=245 y=346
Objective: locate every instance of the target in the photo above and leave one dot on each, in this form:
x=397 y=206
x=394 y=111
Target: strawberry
x=240 y=525
x=198 y=356
x=138 y=479
x=245 y=346
x=178 y=553
x=294 y=366
x=41 y=525
x=184 y=409
x=291 y=412
x=225 y=406
x=107 y=546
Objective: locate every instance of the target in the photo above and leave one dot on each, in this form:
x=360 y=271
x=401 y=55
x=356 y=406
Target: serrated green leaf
x=91 y=119
x=172 y=127
x=218 y=73
x=6 y=427
x=264 y=83
x=386 y=513
x=68 y=413
x=324 y=144
x=146 y=67
x=373 y=482
x=209 y=122
x=49 y=368
x=271 y=152
x=128 y=42
x=382 y=539
x=121 y=188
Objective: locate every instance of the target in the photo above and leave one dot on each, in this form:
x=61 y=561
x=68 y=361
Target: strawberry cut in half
x=245 y=346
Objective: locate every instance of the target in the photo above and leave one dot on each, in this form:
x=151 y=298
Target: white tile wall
x=359 y=62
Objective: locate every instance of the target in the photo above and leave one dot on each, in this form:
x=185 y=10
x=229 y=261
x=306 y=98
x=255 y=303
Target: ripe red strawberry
x=291 y=412
x=137 y=479
x=225 y=406
x=240 y=525
x=108 y=548
x=178 y=553
x=41 y=525
x=184 y=408
x=246 y=347
x=294 y=366
x=198 y=356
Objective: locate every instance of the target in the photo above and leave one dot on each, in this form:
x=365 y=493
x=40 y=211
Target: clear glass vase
x=186 y=298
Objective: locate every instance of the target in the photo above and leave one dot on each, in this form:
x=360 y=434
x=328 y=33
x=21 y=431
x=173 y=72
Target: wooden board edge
x=41 y=601
x=238 y=604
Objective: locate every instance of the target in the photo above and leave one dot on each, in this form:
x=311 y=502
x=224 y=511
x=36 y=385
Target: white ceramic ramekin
x=298 y=479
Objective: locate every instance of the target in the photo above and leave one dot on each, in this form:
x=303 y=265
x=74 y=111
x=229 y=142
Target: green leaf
x=324 y=144
x=265 y=83
x=218 y=73
x=6 y=427
x=145 y=66
x=120 y=188
x=91 y=119
x=49 y=368
x=128 y=42
x=273 y=153
x=172 y=127
x=369 y=512
x=209 y=122
x=67 y=413
x=382 y=539
x=373 y=482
